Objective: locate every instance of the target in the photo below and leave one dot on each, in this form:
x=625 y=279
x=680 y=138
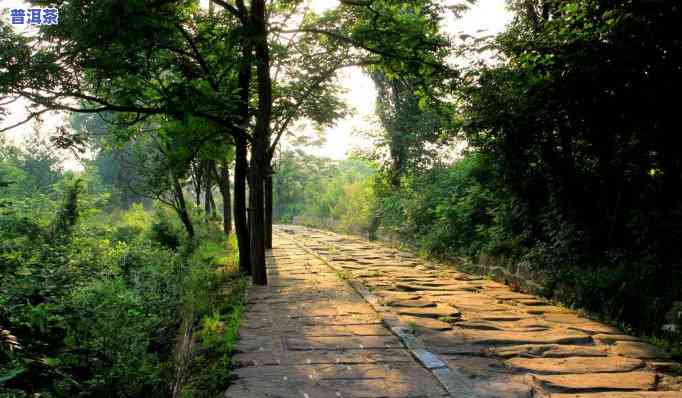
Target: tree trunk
x=241 y=163
x=240 y=223
x=261 y=141
x=223 y=178
x=181 y=206
x=214 y=210
x=208 y=192
x=374 y=222
x=268 y=209
x=257 y=215
x=197 y=183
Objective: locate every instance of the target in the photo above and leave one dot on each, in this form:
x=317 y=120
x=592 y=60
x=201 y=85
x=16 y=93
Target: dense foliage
x=247 y=70
x=321 y=192
x=579 y=122
x=91 y=297
x=560 y=153
x=572 y=163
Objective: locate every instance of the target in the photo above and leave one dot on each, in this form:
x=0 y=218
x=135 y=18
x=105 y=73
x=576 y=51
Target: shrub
x=67 y=216
x=449 y=210
x=164 y=233
x=133 y=223
x=112 y=336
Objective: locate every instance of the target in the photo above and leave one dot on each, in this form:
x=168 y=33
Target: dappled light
x=340 y=199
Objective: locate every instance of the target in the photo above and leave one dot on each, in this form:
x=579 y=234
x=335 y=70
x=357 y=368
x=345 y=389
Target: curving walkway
x=343 y=317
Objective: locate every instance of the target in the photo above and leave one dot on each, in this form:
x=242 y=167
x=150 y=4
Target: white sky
x=490 y=15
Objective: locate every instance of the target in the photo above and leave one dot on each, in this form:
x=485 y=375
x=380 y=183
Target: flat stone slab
x=413 y=287
x=433 y=312
x=391 y=295
x=621 y=394
x=594 y=328
x=565 y=318
x=635 y=349
x=503 y=344
x=515 y=338
x=546 y=309
x=548 y=351
x=630 y=381
x=513 y=296
x=428 y=359
x=428 y=323
x=341 y=343
x=575 y=364
x=411 y=303
x=523 y=325
x=347 y=357
x=334 y=381
x=345 y=330
x=497 y=316
x=330 y=320
x=603 y=338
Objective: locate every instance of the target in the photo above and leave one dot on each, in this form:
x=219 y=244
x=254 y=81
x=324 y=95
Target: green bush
x=91 y=301
x=166 y=234
x=132 y=224
x=92 y=317
x=213 y=296
x=112 y=339
x=97 y=314
x=449 y=210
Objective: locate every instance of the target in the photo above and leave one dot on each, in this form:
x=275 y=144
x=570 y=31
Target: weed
x=412 y=327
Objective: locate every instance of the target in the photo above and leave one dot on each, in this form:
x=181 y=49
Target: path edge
x=452 y=380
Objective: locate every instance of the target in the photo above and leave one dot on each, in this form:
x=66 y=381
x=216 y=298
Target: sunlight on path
x=506 y=343
x=309 y=334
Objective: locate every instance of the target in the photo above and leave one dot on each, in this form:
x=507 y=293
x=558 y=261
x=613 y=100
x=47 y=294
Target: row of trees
x=572 y=164
x=576 y=161
x=196 y=82
x=322 y=192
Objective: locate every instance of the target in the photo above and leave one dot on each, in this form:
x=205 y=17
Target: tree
x=221 y=172
x=413 y=126
x=145 y=72
x=582 y=129
x=174 y=60
x=112 y=157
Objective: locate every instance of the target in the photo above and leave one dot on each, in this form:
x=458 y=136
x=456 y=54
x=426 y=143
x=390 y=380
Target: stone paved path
x=309 y=334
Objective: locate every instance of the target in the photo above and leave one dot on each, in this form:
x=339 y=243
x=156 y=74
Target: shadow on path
x=308 y=334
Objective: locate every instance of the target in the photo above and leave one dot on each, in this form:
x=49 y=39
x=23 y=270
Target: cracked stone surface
x=308 y=334
x=508 y=344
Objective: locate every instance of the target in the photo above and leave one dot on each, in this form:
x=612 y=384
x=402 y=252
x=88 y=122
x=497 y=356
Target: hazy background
x=360 y=93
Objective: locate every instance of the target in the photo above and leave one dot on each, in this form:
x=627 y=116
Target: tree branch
x=30 y=117
x=236 y=12
x=198 y=57
x=305 y=97
x=343 y=38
